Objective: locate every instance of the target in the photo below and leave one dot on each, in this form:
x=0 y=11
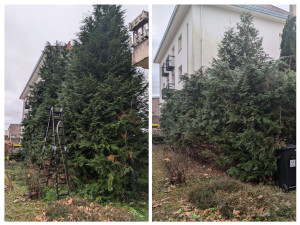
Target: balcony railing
x=163 y=73
x=170 y=86
x=165 y=92
x=170 y=63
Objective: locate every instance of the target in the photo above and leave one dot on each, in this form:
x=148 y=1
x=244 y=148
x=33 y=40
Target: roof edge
x=35 y=68
x=249 y=7
x=166 y=31
x=263 y=10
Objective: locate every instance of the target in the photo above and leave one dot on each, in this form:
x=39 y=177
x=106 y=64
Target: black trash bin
x=287 y=168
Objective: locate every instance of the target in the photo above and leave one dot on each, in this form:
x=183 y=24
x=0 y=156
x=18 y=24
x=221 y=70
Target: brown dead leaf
x=177 y=212
x=260 y=196
x=167 y=160
x=183 y=200
x=198 y=210
x=184 y=214
x=130 y=156
x=250 y=216
x=260 y=211
x=206 y=211
x=236 y=212
x=164 y=199
x=70 y=201
x=171 y=187
x=39 y=217
x=111 y=158
x=156 y=204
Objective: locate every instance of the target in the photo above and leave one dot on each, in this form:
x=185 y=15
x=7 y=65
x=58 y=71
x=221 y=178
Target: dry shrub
x=35 y=182
x=176 y=164
x=8 y=182
x=78 y=209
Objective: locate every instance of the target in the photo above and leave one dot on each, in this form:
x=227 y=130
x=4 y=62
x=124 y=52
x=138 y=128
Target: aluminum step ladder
x=54 y=155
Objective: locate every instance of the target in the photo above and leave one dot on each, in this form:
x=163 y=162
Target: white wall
x=181 y=57
x=216 y=20
x=206 y=26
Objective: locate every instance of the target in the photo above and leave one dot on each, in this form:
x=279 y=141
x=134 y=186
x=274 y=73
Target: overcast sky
x=27 y=29
x=161 y=15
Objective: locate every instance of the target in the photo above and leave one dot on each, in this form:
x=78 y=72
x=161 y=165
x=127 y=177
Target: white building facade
x=35 y=78
x=194 y=32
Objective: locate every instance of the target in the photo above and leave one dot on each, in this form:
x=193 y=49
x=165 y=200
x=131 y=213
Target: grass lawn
x=19 y=206
x=210 y=195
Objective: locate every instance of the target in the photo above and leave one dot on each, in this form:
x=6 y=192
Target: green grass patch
x=242 y=201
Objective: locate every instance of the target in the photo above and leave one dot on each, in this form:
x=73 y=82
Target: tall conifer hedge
x=105 y=110
x=243 y=105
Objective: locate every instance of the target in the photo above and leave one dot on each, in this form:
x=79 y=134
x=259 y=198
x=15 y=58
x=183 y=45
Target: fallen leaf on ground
x=39 y=218
x=208 y=218
x=260 y=211
x=236 y=212
x=70 y=201
x=170 y=188
x=157 y=204
x=177 y=212
x=164 y=199
x=260 y=196
x=206 y=211
x=183 y=200
x=184 y=214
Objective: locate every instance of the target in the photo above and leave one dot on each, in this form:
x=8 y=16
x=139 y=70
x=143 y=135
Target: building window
x=180 y=70
x=179 y=43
